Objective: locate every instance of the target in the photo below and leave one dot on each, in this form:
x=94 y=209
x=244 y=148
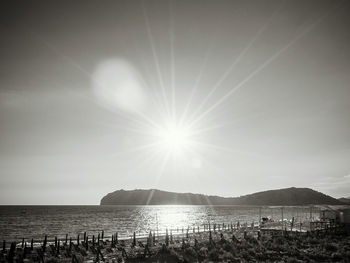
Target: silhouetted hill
x=287 y=196
x=345 y=200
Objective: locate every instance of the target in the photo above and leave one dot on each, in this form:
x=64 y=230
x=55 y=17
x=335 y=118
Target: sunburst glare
x=174 y=138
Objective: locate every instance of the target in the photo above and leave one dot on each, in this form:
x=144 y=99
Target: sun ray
x=225 y=124
x=150 y=196
x=208 y=53
x=172 y=59
x=155 y=57
x=229 y=70
x=261 y=67
x=162 y=167
x=196 y=84
x=157 y=100
x=210 y=206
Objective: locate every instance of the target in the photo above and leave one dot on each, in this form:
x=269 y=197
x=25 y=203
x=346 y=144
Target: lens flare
x=118 y=84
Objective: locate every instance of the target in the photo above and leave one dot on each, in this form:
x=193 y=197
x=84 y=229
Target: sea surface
x=17 y=222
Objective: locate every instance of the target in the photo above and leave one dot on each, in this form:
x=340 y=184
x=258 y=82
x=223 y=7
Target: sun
x=174 y=138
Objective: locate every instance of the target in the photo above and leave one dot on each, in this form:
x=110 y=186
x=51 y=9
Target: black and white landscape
x=175 y=131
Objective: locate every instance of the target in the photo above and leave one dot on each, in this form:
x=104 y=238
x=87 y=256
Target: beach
x=243 y=244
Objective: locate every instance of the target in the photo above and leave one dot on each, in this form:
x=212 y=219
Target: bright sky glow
x=171 y=94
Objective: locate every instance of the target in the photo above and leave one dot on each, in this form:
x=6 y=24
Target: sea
x=18 y=222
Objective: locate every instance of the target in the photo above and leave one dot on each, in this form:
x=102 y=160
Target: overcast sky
x=85 y=87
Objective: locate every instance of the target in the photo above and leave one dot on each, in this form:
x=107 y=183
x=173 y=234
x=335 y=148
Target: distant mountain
x=287 y=196
x=345 y=200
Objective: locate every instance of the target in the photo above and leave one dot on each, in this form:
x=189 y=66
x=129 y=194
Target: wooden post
x=87 y=243
x=55 y=242
x=282 y=218
x=11 y=254
x=166 y=238
x=84 y=236
x=44 y=244
x=93 y=240
x=171 y=236
x=32 y=244
x=103 y=233
x=150 y=239
x=3 y=246
x=259 y=216
x=78 y=241
x=134 y=240
x=285 y=226
x=70 y=244
x=25 y=250
x=98 y=239
x=291 y=227
x=66 y=239
x=58 y=247
x=116 y=237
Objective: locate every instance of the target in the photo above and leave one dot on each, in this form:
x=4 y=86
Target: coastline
x=243 y=244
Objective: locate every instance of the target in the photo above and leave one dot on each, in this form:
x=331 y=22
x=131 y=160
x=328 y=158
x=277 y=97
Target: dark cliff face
x=287 y=196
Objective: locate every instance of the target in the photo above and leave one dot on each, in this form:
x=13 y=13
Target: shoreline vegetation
x=216 y=243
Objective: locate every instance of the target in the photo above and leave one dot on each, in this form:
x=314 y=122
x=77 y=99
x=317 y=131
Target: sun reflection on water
x=173 y=216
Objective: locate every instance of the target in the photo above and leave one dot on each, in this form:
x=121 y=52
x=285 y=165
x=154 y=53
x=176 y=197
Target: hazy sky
x=215 y=97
